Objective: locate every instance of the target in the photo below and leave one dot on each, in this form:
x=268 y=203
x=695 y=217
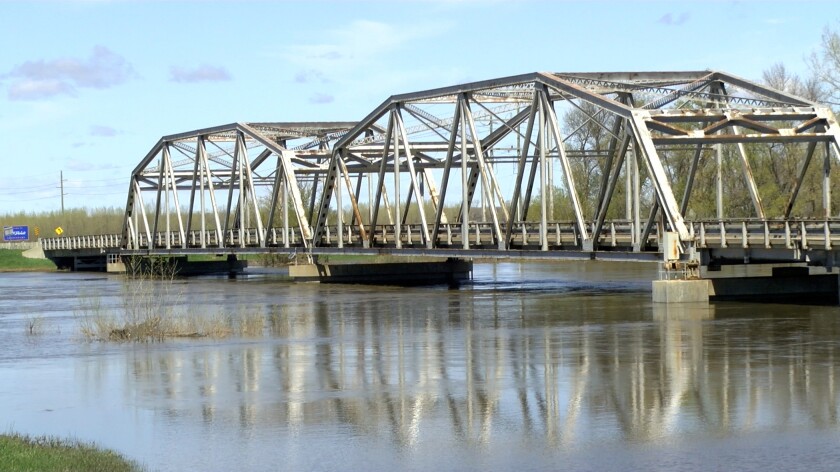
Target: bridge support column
x=450 y=271
x=769 y=283
x=681 y=291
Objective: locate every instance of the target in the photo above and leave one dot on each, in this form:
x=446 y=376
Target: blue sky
x=88 y=86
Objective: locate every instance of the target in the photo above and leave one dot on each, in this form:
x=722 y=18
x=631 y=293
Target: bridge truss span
x=598 y=149
x=542 y=164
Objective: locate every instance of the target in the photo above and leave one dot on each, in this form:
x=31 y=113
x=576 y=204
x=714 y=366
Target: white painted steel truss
x=234 y=177
x=493 y=165
x=642 y=116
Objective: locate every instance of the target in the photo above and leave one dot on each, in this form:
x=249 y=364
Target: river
x=533 y=366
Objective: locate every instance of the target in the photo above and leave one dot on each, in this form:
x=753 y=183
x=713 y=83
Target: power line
x=27 y=187
x=28 y=199
x=94 y=194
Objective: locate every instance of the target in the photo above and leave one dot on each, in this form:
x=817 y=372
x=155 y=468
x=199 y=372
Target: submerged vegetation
x=149 y=310
x=47 y=454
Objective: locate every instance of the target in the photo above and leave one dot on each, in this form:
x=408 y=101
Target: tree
x=811 y=88
x=825 y=65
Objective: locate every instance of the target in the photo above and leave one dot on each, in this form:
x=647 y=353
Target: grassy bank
x=47 y=454
x=12 y=260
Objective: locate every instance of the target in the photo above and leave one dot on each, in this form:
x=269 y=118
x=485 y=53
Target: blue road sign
x=16 y=233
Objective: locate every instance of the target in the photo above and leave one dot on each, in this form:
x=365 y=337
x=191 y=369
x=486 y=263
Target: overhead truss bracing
x=541 y=161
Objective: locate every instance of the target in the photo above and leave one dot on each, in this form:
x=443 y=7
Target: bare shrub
x=34 y=325
x=149 y=311
x=250 y=322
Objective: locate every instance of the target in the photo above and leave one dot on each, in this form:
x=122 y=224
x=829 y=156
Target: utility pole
x=61 y=186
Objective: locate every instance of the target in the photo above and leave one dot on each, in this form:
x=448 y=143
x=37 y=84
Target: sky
x=87 y=87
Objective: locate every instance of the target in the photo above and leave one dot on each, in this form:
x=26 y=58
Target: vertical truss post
x=567 y=168
x=249 y=186
x=174 y=186
x=409 y=158
x=293 y=188
x=196 y=178
x=277 y=187
x=719 y=181
x=234 y=172
x=628 y=186
x=447 y=167
x=397 y=197
x=380 y=187
x=520 y=172
x=826 y=194
x=465 y=208
x=812 y=146
x=339 y=206
x=205 y=178
x=139 y=199
x=717 y=88
x=285 y=212
x=637 y=199
x=833 y=142
x=160 y=184
x=543 y=178
x=487 y=182
x=220 y=235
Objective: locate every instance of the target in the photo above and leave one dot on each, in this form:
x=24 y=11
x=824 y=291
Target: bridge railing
x=100 y=241
x=617 y=235
x=768 y=234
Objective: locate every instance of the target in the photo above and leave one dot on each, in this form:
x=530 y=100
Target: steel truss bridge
x=540 y=165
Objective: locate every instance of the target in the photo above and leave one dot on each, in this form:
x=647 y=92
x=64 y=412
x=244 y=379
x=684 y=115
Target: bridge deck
x=772 y=239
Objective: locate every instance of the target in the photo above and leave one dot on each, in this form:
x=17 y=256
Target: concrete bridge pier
x=452 y=271
x=786 y=283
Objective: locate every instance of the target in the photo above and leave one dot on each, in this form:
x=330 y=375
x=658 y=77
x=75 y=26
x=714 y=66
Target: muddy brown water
x=532 y=367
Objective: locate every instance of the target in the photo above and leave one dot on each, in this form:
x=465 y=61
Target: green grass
x=12 y=260
x=47 y=454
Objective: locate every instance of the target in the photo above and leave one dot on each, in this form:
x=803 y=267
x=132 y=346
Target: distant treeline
x=73 y=222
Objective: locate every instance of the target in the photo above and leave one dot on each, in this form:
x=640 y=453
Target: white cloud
x=311 y=76
x=36 y=80
x=202 y=73
x=321 y=98
x=103 y=131
x=361 y=44
x=674 y=20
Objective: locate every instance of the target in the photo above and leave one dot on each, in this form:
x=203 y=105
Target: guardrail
x=745 y=233
x=100 y=241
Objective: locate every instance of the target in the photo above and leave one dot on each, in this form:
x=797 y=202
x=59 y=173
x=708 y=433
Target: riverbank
x=12 y=260
x=46 y=454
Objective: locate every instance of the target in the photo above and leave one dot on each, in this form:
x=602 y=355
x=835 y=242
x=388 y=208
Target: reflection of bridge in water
x=489 y=169
x=474 y=369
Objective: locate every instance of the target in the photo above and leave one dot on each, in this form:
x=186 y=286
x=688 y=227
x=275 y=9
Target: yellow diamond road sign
x=59 y=231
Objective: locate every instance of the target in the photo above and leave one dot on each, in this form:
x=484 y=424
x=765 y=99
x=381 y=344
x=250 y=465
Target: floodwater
x=533 y=367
